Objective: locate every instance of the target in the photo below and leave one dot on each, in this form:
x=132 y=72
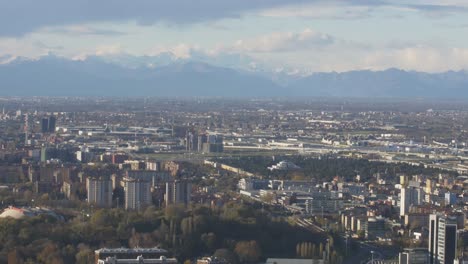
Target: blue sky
x=307 y=36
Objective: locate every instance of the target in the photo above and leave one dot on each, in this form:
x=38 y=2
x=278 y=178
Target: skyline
x=301 y=36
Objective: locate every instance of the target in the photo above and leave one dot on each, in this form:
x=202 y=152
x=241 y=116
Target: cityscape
x=234 y=132
x=209 y=180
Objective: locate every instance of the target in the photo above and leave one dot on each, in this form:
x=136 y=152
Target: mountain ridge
x=95 y=76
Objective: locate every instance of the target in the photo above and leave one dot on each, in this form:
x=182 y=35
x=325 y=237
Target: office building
x=450 y=198
x=45 y=125
x=178 y=192
x=48 y=124
x=410 y=196
x=51 y=124
x=137 y=193
x=442 y=239
x=210 y=143
x=413 y=256
x=191 y=142
x=99 y=191
x=374 y=228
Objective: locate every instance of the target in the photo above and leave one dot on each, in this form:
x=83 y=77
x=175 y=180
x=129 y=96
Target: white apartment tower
x=178 y=192
x=137 y=193
x=410 y=196
x=99 y=191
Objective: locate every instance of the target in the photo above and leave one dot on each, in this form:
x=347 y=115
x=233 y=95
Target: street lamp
x=372 y=256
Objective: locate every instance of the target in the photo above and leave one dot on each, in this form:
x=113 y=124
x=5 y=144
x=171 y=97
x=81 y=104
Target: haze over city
x=275 y=46
x=234 y=132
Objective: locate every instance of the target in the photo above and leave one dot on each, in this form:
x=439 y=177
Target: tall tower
x=409 y=196
x=99 y=191
x=137 y=193
x=442 y=239
x=178 y=192
x=26 y=128
x=51 y=124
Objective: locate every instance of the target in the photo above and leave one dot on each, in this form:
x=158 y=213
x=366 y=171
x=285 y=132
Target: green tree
x=248 y=251
x=226 y=254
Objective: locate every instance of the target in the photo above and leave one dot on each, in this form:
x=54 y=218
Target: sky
x=302 y=35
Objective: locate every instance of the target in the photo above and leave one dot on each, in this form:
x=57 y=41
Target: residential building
x=178 y=192
x=99 y=191
x=132 y=256
x=410 y=196
x=137 y=193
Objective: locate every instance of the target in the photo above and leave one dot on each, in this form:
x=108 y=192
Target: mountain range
x=235 y=76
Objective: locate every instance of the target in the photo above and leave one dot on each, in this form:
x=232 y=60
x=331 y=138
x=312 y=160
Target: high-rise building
x=410 y=196
x=191 y=142
x=450 y=198
x=178 y=192
x=156 y=178
x=442 y=239
x=137 y=193
x=99 y=191
x=51 y=124
x=45 y=125
x=429 y=184
x=201 y=140
x=413 y=256
x=212 y=143
x=48 y=124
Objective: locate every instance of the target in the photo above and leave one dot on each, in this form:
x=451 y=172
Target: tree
x=50 y=254
x=209 y=240
x=227 y=255
x=268 y=197
x=314 y=250
x=248 y=251
x=85 y=255
x=174 y=212
x=303 y=250
x=141 y=240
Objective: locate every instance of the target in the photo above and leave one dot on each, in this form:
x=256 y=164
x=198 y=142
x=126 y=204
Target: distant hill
x=391 y=82
x=56 y=76
x=167 y=76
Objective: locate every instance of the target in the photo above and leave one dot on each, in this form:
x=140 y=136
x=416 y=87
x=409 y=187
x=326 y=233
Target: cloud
x=19 y=17
x=329 y=10
x=24 y=47
x=284 y=42
x=22 y=16
x=420 y=58
x=101 y=50
x=82 y=30
x=356 y=9
x=181 y=50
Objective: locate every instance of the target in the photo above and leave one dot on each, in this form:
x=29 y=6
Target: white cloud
x=23 y=47
x=108 y=49
x=101 y=50
x=283 y=42
x=81 y=29
x=321 y=10
x=420 y=58
x=181 y=50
